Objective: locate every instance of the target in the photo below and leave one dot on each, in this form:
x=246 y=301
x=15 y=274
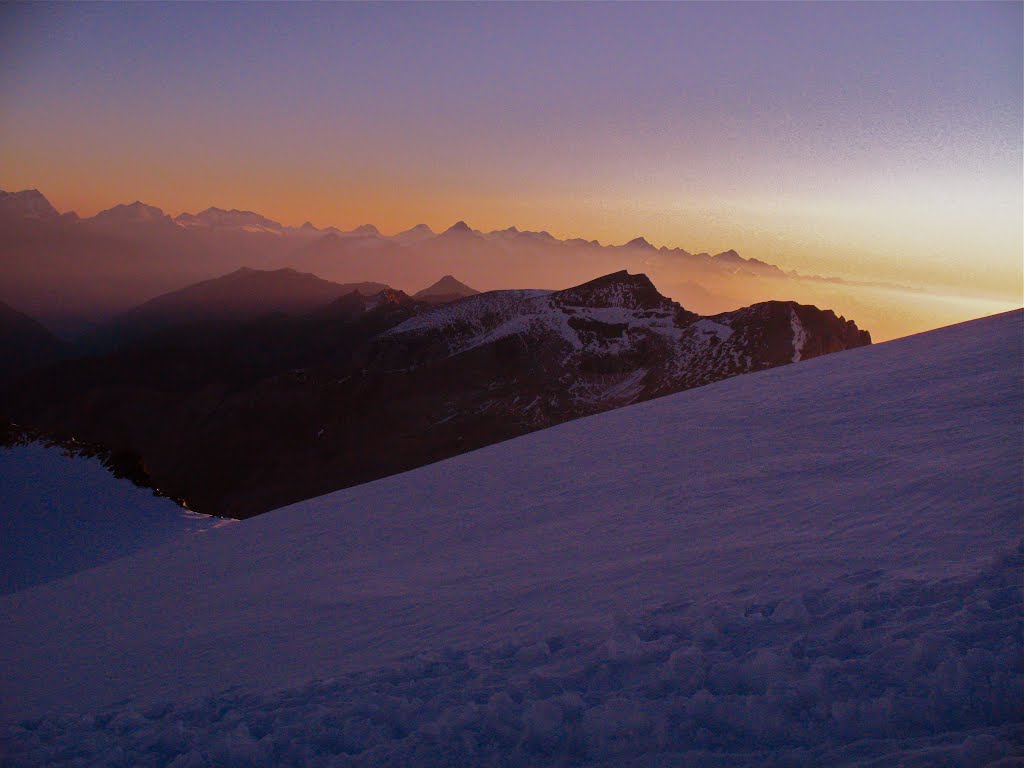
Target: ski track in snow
x=813 y=565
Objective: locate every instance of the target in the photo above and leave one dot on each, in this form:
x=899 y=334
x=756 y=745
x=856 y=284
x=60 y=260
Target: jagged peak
x=639 y=242
x=135 y=211
x=417 y=232
x=24 y=193
x=27 y=203
x=618 y=289
x=220 y=217
x=459 y=226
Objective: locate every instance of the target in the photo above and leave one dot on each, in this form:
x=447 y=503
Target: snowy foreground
x=61 y=514
x=815 y=565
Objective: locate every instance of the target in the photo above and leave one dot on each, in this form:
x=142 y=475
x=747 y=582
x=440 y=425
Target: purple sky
x=874 y=139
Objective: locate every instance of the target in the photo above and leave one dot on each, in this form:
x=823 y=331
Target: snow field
x=920 y=673
x=818 y=564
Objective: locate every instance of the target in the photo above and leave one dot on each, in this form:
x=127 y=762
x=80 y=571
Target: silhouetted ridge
x=237 y=297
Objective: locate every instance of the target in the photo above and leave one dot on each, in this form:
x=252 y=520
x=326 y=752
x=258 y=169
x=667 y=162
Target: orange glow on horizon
x=826 y=246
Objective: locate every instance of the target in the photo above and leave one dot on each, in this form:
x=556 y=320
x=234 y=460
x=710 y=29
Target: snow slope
x=817 y=564
x=61 y=514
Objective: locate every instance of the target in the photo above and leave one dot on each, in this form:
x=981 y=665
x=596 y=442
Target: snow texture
x=799 y=335
x=61 y=514
x=812 y=565
x=487 y=317
x=462 y=320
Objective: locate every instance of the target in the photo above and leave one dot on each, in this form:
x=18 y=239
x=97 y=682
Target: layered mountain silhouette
x=236 y=298
x=72 y=274
x=243 y=419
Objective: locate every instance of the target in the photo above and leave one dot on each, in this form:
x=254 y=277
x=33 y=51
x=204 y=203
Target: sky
x=878 y=141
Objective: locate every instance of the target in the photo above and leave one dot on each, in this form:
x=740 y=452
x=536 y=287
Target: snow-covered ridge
x=246 y=221
x=620 y=341
x=474 y=313
x=619 y=300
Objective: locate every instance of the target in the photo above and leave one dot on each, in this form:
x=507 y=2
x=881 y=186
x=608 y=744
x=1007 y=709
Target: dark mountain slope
x=24 y=343
x=244 y=420
x=233 y=299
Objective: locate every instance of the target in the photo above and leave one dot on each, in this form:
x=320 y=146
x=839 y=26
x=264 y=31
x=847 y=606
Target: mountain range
x=74 y=273
x=241 y=417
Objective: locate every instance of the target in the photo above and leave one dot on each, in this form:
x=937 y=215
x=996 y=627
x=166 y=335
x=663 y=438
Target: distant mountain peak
x=140 y=207
x=639 y=242
x=219 y=218
x=444 y=290
x=459 y=226
x=136 y=212
x=27 y=204
x=366 y=229
x=418 y=232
